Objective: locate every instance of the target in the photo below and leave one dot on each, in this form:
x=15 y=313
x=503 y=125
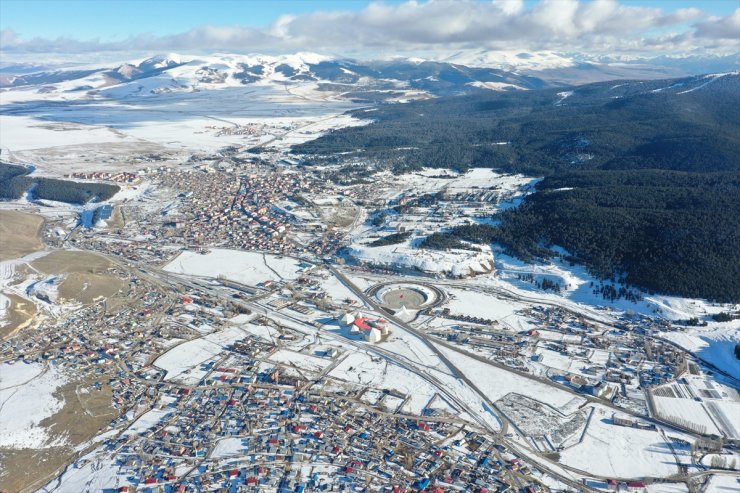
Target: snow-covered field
x=363 y=369
x=299 y=360
x=21 y=133
x=723 y=483
x=685 y=409
x=477 y=304
x=667 y=488
x=496 y=383
x=27 y=398
x=175 y=112
x=250 y=268
x=97 y=471
x=458 y=263
x=433 y=180
x=715 y=344
x=612 y=451
x=229 y=447
x=150 y=418
x=182 y=362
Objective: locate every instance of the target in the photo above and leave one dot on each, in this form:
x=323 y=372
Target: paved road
x=172 y=281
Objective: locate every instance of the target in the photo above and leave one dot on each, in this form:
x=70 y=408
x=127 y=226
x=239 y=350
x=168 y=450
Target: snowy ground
x=183 y=362
x=576 y=287
x=300 y=360
x=496 y=383
x=477 y=304
x=60 y=129
x=668 y=488
x=723 y=483
x=27 y=398
x=612 y=451
x=363 y=369
x=715 y=344
x=250 y=268
x=458 y=263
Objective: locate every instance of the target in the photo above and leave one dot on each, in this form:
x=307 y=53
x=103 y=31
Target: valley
x=232 y=286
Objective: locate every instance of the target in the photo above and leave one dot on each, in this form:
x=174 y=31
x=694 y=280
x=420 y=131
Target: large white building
x=372 y=330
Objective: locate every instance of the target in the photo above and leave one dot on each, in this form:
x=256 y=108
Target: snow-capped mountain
x=397 y=78
x=376 y=80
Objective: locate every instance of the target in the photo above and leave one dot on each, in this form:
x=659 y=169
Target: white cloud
x=509 y=7
x=596 y=26
x=721 y=27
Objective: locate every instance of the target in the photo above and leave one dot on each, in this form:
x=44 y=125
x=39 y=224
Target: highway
x=562 y=473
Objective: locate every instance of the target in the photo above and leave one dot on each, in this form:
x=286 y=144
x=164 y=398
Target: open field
x=19 y=234
x=64 y=262
x=87 y=288
x=84 y=413
x=86 y=275
x=19 y=314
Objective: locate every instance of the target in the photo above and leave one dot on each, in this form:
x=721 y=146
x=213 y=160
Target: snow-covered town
x=253 y=352
x=189 y=304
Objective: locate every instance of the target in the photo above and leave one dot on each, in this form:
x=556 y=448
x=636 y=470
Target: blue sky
x=360 y=26
x=119 y=19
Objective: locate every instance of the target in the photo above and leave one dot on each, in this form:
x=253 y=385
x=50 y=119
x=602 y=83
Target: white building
x=372 y=335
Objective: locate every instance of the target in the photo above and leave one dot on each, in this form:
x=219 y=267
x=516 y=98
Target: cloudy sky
x=351 y=27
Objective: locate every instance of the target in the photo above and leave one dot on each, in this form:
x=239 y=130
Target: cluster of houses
x=117 y=177
x=248 y=436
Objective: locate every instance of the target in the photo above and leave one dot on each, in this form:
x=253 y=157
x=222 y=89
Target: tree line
x=16 y=181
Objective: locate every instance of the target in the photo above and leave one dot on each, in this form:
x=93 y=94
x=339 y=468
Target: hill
x=642 y=178
x=365 y=81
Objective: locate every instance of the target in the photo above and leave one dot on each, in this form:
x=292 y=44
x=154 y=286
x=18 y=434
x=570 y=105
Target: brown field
x=68 y=261
x=81 y=418
x=340 y=216
x=20 y=314
x=116 y=219
x=87 y=278
x=88 y=288
x=19 y=234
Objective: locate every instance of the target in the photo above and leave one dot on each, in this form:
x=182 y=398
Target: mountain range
x=379 y=80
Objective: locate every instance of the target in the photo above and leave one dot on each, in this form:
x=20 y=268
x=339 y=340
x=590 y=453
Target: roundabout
x=406 y=299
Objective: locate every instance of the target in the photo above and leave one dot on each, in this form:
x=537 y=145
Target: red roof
x=361 y=323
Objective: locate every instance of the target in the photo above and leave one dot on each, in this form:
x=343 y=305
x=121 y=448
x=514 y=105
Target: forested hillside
x=650 y=124
x=15 y=181
x=642 y=178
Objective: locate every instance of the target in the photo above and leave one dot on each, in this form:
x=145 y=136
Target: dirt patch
x=87 y=288
x=68 y=261
x=116 y=219
x=408 y=297
x=340 y=216
x=86 y=411
x=19 y=234
x=86 y=276
x=19 y=314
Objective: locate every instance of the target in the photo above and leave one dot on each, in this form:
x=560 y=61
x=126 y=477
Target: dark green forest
x=641 y=184
x=391 y=239
x=602 y=126
x=667 y=231
x=16 y=181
